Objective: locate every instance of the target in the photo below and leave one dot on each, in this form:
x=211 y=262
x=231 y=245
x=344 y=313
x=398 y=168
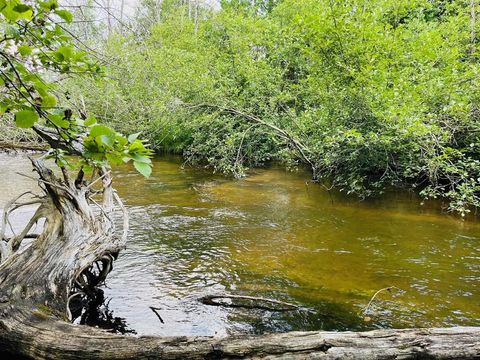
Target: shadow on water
x=94 y=311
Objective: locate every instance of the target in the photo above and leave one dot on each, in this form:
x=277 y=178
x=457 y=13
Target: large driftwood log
x=74 y=253
x=32 y=334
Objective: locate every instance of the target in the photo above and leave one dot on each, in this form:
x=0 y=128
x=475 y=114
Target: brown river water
x=273 y=235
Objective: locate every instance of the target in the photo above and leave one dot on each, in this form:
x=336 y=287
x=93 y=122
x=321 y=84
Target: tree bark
x=34 y=334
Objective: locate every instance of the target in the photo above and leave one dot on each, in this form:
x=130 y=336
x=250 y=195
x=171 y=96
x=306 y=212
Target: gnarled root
x=74 y=252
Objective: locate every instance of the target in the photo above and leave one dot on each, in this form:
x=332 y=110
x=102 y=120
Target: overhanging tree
x=78 y=243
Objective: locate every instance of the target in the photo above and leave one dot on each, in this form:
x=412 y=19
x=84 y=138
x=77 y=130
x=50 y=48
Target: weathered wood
x=22 y=146
x=37 y=335
x=249 y=302
x=73 y=238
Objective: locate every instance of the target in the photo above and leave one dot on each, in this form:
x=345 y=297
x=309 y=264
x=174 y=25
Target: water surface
x=275 y=235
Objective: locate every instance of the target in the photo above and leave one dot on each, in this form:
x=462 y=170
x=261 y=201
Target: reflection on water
x=95 y=311
x=273 y=235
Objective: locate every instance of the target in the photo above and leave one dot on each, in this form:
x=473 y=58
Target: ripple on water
x=193 y=233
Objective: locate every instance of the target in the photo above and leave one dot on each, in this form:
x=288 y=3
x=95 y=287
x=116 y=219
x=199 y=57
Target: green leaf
x=107 y=140
x=133 y=137
x=79 y=56
x=21 y=8
x=23 y=11
x=114 y=159
x=41 y=87
x=142 y=159
x=10 y=14
x=99 y=130
x=122 y=141
x=89 y=121
x=142 y=168
x=26 y=118
x=65 y=15
x=136 y=146
x=24 y=50
x=49 y=5
x=64 y=53
x=59 y=121
x=49 y=101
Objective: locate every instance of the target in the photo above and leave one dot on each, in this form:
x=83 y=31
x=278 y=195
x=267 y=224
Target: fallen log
x=34 y=334
x=64 y=264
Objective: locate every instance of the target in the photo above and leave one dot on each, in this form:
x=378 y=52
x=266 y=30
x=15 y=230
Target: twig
x=301 y=148
x=8 y=210
x=97 y=179
x=48 y=183
x=101 y=209
x=154 y=309
x=237 y=160
x=389 y=289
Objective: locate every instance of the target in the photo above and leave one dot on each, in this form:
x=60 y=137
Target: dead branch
x=284 y=306
x=125 y=216
x=282 y=133
x=7 y=210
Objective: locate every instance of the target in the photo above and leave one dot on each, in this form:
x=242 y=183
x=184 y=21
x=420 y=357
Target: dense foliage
x=370 y=94
x=36 y=52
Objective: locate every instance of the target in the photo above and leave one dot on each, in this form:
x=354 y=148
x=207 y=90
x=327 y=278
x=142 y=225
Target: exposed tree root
x=76 y=249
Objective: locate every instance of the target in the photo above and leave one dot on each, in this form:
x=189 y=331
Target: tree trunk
x=74 y=254
x=32 y=333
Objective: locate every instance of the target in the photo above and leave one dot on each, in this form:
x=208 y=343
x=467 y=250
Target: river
x=274 y=235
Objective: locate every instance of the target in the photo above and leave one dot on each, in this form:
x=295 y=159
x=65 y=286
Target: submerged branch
x=284 y=306
x=389 y=289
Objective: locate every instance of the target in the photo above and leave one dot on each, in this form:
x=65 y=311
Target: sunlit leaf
x=49 y=5
x=98 y=130
x=24 y=50
x=65 y=15
x=59 y=121
x=143 y=168
x=142 y=159
x=89 y=121
x=49 y=101
x=133 y=137
x=107 y=140
x=26 y=118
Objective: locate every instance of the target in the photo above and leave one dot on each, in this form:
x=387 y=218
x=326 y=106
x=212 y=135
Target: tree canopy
x=368 y=94
x=376 y=93
x=37 y=51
